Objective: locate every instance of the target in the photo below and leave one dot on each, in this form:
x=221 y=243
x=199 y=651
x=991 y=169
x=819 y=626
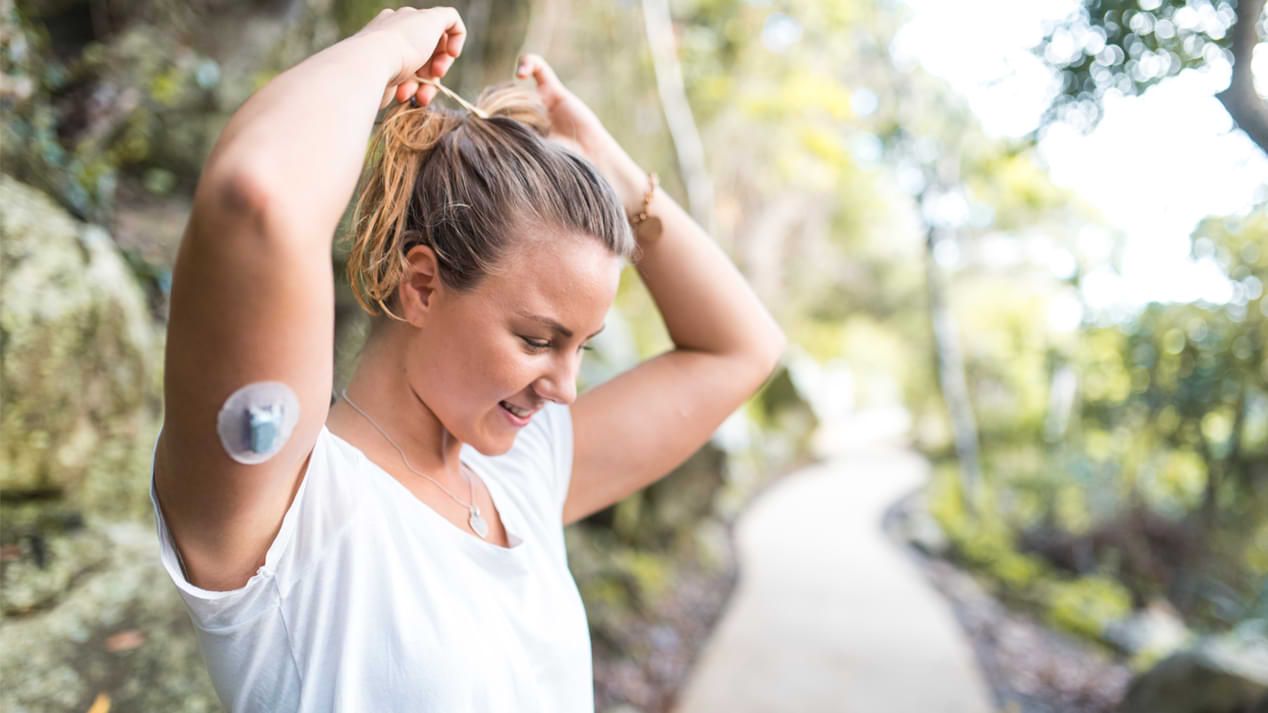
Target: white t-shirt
x=370 y=601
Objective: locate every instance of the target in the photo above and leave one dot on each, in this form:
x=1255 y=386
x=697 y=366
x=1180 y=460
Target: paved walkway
x=829 y=615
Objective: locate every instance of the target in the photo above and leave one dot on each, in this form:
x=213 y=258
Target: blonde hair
x=470 y=188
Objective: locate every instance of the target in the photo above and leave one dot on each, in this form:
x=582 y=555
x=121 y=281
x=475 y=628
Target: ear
x=419 y=285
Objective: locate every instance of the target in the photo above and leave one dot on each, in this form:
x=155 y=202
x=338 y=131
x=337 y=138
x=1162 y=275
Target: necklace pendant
x=478 y=524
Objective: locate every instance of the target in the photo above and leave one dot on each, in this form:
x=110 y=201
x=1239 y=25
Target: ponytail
x=397 y=151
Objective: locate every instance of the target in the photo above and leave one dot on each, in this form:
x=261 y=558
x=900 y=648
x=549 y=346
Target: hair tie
x=454 y=95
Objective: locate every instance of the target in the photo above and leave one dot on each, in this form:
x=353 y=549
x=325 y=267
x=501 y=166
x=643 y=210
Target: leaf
x=125 y=640
x=101 y=704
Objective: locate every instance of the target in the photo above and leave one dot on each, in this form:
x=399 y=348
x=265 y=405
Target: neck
x=380 y=387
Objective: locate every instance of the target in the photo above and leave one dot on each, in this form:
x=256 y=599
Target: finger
x=455 y=42
x=405 y=90
x=441 y=64
x=455 y=33
x=551 y=90
x=541 y=72
x=426 y=93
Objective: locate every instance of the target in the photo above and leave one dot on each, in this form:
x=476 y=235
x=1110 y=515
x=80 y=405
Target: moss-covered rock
x=111 y=636
x=1221 y=674
x=787 y=419
x=140 y=97
x=47 y=551
x=81 y=368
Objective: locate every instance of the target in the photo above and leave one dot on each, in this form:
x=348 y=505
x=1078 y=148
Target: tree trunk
x=951 y=376
x=1242 y=102
x=688 y=147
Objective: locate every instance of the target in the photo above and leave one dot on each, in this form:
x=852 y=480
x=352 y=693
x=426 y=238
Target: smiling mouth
x=516 y=411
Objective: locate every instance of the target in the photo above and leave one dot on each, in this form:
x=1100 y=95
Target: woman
x=403 y=548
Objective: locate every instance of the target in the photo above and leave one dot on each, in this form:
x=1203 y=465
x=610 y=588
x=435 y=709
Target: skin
x=438 y=378
x=253 y=296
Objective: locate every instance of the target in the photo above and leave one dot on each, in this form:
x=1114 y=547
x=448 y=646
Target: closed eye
x=538 y=345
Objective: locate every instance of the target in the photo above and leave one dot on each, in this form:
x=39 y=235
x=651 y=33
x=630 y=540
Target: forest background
x=1100 y=464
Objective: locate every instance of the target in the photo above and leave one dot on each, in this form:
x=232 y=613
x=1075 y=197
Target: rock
x=1221 y=674
x=923 y=532
x=113 y=632
x=678 y=503
x=81 y=368
x=49 y=551
x=790 y=421
x=1151 y=633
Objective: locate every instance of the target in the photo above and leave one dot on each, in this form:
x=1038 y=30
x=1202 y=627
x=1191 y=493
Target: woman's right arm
x=253 y=290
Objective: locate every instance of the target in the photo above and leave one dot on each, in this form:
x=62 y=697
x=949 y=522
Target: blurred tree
x=969 y=190
x=659 y=28
x=1127 y=46
x=1163 y=470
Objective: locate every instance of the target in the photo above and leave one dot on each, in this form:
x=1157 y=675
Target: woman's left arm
x=633 y=429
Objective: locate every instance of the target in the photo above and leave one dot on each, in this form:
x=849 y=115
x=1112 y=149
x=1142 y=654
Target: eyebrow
x=556 y=326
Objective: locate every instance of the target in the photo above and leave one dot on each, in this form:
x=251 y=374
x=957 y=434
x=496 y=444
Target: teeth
x=515 y=409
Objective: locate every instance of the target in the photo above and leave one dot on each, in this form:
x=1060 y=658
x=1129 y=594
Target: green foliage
x=132 y=101
x=1083 y=605
x=1015 y=188
x=1008 y=351
x=985 y=540
x=1086 y=606
x=1169 y=419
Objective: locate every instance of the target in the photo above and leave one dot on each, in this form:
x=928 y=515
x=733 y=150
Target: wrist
x=628 y=179
x=377 y=52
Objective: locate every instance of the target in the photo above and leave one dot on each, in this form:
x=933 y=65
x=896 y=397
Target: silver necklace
x=477 y=523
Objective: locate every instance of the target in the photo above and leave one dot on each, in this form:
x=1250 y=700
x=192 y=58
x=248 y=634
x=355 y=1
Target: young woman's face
x=516 y=340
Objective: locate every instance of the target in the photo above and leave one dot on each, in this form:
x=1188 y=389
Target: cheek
x=492 y=369
x=510 y=374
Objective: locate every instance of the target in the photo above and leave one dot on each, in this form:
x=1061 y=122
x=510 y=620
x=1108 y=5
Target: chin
x=494 y=446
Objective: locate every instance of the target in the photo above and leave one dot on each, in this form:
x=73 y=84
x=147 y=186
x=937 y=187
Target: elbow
x=778 y=350
x=244 y=192
x=235 y=194
x=236 y=201
x=769 y=355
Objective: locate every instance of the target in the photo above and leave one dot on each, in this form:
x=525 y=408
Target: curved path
x=829 y=614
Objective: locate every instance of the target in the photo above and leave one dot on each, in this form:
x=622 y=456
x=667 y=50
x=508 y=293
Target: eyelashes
x=538 y=345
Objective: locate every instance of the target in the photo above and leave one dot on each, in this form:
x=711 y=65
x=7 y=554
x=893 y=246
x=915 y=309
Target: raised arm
x=632 y=430
x=253 y=290
x=299 y=143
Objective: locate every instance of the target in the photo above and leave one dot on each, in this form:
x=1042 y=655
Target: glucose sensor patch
x=257 y=420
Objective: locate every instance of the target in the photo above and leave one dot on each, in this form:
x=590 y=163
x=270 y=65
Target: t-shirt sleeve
x=561 y=446
x=289 y=554
x=543 y=454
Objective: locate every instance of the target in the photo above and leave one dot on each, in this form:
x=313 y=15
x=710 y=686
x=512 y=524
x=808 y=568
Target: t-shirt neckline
x=510 y=522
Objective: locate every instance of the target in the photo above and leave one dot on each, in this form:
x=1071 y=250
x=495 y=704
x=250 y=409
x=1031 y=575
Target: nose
x=560 y=383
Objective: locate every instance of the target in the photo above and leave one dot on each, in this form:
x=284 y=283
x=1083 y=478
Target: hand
x=420 y=43
x=576 y=126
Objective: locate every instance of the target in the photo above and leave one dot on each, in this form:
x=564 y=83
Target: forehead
x=570 y=278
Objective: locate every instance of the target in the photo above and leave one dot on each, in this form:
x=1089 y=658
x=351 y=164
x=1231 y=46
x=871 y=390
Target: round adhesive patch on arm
x=257 y=420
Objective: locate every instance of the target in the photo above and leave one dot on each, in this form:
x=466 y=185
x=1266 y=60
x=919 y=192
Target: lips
x=519 y=411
